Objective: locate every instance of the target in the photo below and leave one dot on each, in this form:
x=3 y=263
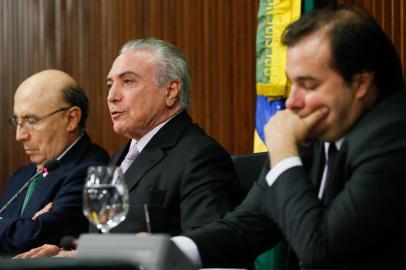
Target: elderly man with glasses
x=50 y=112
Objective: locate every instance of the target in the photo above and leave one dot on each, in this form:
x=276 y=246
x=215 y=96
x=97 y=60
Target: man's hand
x=285 y=131
x=39 y=252
x=44 y=210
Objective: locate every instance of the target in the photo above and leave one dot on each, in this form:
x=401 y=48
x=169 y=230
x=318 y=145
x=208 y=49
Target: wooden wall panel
x=83 y=37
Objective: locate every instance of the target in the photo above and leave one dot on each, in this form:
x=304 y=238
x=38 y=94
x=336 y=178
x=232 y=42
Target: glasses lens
x=13 y=121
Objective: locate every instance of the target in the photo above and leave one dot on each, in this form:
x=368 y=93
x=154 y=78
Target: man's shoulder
x=382 y=128
x=384 y=117
x=181 y=131
x=89 y=149
x=97 y=151
x=85 y=153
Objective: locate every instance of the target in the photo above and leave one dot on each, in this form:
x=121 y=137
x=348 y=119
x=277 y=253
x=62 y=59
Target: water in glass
x=105 y=197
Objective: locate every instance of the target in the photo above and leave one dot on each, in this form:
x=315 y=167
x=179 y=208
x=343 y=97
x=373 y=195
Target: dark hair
x=75 y=96
x=357 y=43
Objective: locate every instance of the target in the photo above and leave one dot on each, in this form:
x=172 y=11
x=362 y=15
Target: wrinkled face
x=46 y=139
x=135 y=101
x=315 y=84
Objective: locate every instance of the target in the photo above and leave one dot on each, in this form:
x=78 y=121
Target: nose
x=295 y=100
x=22 y=134
x=114 y=94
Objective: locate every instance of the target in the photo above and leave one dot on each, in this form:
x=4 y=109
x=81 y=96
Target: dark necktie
x=31 y=188
x=331 y=157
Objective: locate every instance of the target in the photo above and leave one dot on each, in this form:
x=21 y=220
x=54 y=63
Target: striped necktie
x=129 y=158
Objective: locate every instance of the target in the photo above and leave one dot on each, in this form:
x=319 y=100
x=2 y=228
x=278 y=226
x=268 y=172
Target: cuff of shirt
x=281 y=167
x=189 y=248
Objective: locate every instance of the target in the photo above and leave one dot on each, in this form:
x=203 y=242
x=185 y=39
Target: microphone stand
x=49 y=166
x=12 y=199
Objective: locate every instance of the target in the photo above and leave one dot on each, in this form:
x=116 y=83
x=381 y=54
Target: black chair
x=248 y=168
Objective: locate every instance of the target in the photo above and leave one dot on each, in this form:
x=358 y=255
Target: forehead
x=138 y=62
x=311 y=54
x=36 y=97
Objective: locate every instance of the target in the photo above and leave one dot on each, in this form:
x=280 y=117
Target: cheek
x=52 y=134
x=313 y=102
x=42 y=142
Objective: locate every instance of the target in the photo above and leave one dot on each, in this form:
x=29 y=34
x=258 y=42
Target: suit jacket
x=184 y=177
x=63 y=187
x=359 y=223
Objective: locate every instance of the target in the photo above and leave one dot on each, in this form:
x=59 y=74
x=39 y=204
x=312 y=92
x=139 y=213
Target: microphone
x=49 y=166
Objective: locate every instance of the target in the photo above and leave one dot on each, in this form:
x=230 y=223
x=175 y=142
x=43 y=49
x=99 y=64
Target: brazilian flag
x=272 y=85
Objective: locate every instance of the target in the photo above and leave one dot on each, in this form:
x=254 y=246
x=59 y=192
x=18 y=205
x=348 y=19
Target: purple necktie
x=331 y=157
x=129 y=158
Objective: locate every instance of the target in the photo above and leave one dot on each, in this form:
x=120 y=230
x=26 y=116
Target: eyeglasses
x=30 y=122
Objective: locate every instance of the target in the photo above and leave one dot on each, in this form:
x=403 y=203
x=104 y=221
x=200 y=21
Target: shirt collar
x=338 y=144
x=63 y=153
x=141 y=143
x=70 y=146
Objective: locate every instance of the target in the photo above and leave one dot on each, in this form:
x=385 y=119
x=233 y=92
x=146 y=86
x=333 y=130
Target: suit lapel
x=155 y=150
x=15 y=207
x=67 y=163
x=146 y=161
x=317 y=168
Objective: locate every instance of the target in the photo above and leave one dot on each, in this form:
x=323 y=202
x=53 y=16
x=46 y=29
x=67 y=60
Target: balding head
x=46 y=85
x=50 y=110
x=54 y=87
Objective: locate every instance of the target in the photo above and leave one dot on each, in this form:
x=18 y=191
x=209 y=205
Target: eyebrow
x=121 y=75
x=303 y=78
x=307 y=78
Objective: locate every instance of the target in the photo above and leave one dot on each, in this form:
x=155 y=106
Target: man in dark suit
x=50 y=112
x=336 y=208
x=182 y=176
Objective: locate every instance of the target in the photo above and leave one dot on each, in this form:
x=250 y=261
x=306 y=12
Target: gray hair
x=172 y=64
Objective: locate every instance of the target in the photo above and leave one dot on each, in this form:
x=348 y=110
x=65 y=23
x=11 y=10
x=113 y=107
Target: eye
x=309 y=85
x=31 y=120
x=128 y=81
x=108 y=86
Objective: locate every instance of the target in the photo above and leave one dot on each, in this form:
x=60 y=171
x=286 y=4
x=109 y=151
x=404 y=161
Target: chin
x=120 y=130
x=328 y=137
x=117 y=127
x=37 y=162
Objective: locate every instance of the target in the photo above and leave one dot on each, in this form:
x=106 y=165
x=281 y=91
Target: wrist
x=283 y=152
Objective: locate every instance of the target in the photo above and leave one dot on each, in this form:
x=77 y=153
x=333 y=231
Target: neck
x=163 y=118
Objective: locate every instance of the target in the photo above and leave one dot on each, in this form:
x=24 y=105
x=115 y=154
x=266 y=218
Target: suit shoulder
x=382 y=129
x=97 y=153
x=196 y=137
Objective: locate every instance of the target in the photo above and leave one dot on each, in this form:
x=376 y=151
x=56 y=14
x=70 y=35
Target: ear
x=73 y=115
x=172 y=93
x=362 y=83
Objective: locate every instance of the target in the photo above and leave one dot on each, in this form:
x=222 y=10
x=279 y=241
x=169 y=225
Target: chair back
x=248 y=168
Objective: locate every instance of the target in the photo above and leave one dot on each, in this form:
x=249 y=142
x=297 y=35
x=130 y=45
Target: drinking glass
x=105 y=197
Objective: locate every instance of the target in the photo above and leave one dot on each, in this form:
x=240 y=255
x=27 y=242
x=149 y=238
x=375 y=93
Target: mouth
x=116 y=114
x=29 y=151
